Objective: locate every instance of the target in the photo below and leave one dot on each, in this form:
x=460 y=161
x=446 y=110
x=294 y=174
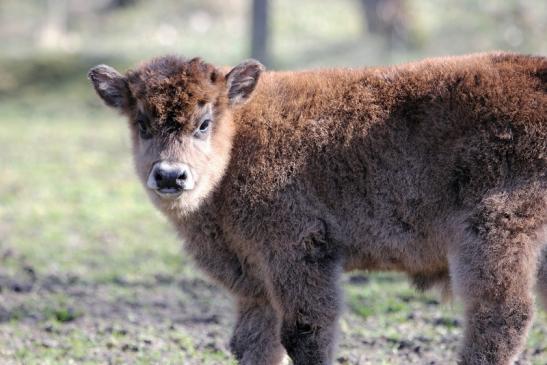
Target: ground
x=90 y=273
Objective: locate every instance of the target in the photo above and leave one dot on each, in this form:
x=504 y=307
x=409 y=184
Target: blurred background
x=89 y=271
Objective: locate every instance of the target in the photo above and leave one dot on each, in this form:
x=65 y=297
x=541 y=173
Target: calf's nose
x=170 y=177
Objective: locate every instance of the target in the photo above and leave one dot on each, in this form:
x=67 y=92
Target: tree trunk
x=388 y=19
x=259 y=32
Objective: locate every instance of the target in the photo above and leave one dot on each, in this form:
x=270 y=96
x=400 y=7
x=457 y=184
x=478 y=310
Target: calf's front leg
x=304 y=286
x=255 y=339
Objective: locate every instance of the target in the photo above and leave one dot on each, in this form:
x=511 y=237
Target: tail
x=542 y=279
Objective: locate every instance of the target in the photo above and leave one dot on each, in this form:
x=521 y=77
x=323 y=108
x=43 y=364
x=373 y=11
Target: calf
x=435 y=168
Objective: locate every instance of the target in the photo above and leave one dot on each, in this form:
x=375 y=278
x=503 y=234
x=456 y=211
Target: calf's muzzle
x=170 y=179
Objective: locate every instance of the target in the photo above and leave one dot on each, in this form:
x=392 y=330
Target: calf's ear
x=110 y=85
x=242 y=80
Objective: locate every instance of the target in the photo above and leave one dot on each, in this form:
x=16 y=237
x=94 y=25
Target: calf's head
x=181 y=122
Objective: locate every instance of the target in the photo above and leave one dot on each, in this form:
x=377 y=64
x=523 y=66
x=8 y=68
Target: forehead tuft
x=169 y=88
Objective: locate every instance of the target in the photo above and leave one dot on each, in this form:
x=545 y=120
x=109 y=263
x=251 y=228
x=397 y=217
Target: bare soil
x=188 y=321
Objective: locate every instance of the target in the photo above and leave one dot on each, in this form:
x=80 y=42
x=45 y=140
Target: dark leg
x=305 y=288
x=542 y=279
x=256 y=335
x=494 y=271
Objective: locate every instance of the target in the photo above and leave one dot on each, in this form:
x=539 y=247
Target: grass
x=70 y=200
x=91 y=273
x=71 y=207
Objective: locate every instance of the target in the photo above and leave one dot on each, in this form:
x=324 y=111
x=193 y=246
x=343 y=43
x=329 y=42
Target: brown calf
x=435 y=168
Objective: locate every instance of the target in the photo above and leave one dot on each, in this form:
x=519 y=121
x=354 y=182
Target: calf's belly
x=423 y=259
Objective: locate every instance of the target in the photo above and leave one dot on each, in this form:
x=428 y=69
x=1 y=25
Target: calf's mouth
x=170 y=179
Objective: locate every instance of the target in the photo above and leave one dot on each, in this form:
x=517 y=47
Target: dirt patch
x=177 y=320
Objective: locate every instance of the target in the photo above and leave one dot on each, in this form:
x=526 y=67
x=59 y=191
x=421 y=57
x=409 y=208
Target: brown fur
x=435 y=168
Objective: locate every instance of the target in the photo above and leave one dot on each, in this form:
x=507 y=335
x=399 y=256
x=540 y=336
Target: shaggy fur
x=435 y=168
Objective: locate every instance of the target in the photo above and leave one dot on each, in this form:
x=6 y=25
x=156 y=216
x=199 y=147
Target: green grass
x=78 y=347
x=101 y=275
x=71 y=207
x=70 y=200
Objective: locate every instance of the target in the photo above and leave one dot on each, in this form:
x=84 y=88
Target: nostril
x=170 y=178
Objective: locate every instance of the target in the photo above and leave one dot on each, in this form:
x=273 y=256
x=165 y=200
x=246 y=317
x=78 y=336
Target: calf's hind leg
x=493 y=270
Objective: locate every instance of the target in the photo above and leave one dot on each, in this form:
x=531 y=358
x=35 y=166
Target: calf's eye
x=204 y=126
x=144 y=131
